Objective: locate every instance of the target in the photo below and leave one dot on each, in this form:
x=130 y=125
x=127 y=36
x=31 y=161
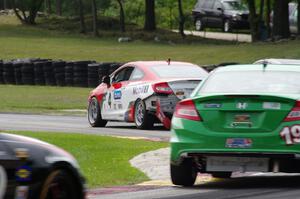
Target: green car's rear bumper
x=191 y=138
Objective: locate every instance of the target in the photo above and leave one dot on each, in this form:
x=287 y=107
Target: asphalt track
x=256 y=186
x=75 y=124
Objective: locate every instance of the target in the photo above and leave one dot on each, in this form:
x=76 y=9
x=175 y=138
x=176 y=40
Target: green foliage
x=104 y=160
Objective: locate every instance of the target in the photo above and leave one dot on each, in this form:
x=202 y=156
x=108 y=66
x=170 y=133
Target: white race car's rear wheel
x=94 y=114
x=142 y=119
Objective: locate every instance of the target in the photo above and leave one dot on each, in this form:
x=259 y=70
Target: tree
x=281 y=27
x=48 y=6
x=122 y=16
x=59 y=7
x=150 y=23
x=26 y=10
x=268 y=14
x=81 y=17
x=181 y=19
x=298 y=17
x=95 y=18
x=253 y=21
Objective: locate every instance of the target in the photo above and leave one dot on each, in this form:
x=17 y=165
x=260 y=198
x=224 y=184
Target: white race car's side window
x=137 y=74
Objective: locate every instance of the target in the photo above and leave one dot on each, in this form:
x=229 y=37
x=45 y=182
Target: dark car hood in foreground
x=42 y=152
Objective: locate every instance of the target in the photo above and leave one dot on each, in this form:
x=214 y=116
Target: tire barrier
x=59 y=72
x=8 y=73
x=1 y=72
x=54 y=73
x=69 y=73
x=18 y=73
x=27 y=71
x=39 y=77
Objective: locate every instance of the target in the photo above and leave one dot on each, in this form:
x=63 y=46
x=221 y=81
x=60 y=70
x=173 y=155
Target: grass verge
x=19 y=41
x=42 y=99
x=104 y=160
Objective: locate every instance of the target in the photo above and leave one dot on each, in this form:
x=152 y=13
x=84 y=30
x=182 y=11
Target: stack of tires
x=103 y=70
x=49 y=74
x=80 y=73
x=8 y=73
x=114 y=66
x=39 y=78
x=69 y=74
x=27 y=71
x=93 y=77
x=18 y=73
x=59 y=72
x=1 y=72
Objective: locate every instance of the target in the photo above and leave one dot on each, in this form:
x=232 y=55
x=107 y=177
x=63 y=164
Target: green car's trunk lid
x=243 y=113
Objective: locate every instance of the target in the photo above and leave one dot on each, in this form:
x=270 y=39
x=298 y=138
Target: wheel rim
x=198 y=24
x=226 y=26
x=93 y=111
x=139 y=114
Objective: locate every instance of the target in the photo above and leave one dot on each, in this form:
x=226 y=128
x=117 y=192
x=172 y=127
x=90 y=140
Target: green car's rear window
x=252 y=82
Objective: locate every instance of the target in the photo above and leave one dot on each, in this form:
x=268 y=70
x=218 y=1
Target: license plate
x=237 y=164
x=238 y=143
x=242 y=118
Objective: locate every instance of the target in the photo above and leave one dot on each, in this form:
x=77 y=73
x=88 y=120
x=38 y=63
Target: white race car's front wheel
x=94 y=114
x=142 y=119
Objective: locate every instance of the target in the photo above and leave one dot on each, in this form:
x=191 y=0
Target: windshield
x=234 y=5
x=179 y=71
x=252 y=82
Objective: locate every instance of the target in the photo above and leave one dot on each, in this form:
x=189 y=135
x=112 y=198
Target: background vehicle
x=241 y=118
x=278 y=61
x=143 y=92
x=225 y=14
x=32 y=169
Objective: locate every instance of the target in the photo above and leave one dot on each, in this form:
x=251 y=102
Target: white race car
x=143 y=92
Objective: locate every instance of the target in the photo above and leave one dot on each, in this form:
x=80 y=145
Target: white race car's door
x=114 y=101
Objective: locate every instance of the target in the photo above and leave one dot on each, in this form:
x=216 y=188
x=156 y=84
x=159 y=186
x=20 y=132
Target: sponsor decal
x=117 y=94
x=238 y=143
x=21 y=192
x=23 y=174
x=271 y=105
x=140 y=89
x=291 y=135
x=242 y=105
x=3 y=181
x=212 y=105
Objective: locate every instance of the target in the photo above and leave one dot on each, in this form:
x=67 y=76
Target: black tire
x=142 y=119
x=94 y=114
x=199 y=26
x=227 y=26
x=60 y=184
x=184 y=174
x=221 y=174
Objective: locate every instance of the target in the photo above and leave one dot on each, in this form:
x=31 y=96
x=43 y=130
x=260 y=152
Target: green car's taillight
x=294 y=115
x=186 y=109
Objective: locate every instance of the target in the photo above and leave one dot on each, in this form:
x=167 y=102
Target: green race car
x=242 y=118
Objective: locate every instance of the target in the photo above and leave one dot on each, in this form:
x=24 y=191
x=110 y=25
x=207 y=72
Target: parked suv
x=225 y=14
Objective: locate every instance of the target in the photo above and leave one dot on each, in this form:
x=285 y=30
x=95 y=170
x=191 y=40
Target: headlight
x=237 y=17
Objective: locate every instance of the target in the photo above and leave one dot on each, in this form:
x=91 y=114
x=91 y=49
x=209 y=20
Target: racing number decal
x=291 y=135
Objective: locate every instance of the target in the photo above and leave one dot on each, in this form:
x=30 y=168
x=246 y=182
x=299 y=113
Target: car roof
x=160 y=63
x=279 y=61
x=260 y=67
